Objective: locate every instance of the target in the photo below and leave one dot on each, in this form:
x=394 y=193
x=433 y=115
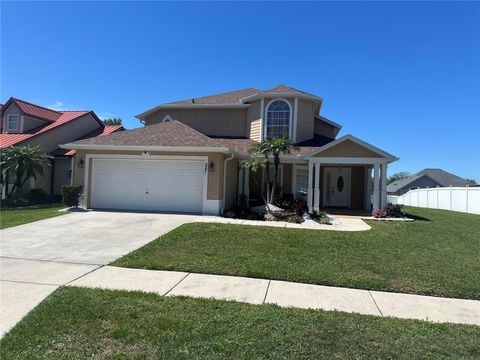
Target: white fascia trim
x=350 y=137
x=347 y=160
x=280 y=94
x=328 y=121
x=147 y=148
x=192 y=106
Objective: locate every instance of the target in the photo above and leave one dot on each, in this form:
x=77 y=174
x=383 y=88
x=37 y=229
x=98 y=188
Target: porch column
x=368 y=188
x=316 y=191
x=246 y=185
x=310 y=186
x=376 y=187
x=383 y=186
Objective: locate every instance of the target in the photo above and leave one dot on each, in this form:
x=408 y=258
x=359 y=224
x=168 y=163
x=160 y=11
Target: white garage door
x=155 y=185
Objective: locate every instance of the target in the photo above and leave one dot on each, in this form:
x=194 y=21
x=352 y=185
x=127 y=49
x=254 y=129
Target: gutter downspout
x=225 y=180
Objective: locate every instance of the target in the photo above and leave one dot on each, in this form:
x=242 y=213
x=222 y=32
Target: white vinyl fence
x=463 y=199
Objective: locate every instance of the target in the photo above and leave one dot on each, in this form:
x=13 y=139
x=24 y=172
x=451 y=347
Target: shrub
x=288 y=202
x=394 y=210
x=321 y=218
x=71 y=195
x=37 y=196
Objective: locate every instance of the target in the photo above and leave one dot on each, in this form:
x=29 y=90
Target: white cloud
x=59 y=105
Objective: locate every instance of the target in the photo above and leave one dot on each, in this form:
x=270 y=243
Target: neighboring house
x=188 y=156
x=426 y=178
x=24 y=123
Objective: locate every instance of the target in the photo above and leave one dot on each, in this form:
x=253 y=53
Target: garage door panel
x=155 y=185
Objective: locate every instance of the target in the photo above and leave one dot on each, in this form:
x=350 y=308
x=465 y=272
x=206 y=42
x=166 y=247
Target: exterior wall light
x=211 y=166
x=80 y=164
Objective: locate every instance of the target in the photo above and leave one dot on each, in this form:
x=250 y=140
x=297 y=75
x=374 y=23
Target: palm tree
x=270 y=148
x=113 y=121
x=23 y=162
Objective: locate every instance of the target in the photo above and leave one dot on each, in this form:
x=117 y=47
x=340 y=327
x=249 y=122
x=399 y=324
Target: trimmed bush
x=71 y=195
x=37 y=196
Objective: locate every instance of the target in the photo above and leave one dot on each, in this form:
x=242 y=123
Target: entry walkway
x=285 y=294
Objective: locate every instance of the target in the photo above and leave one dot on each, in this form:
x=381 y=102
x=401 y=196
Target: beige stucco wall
x=287 y=179
x=212 y=122
x=215 y=178
x=348 y=148
x=357 y=192
x=231 y=184
x=50 y=140
x=305 y=120
x=325 y=129
x=31 y=123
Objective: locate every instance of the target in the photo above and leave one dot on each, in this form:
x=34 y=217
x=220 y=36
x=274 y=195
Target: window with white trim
x=12 y=122
x=301 y=183
x=277 y=119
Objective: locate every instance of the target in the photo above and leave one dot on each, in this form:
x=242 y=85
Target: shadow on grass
x=416 y=217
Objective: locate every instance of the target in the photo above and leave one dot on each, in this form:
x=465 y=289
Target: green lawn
x=77 y=323
x=19 y=216
x=438 y=254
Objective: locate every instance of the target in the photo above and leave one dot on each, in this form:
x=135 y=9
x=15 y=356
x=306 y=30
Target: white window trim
x=167 y=118
x=294 y=177
x=7 y=127
x=265 y=117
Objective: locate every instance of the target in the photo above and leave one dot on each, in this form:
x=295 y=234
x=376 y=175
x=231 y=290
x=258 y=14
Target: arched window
x=278 y=119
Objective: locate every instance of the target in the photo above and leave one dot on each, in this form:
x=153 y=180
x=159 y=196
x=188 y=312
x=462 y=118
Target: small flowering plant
x=379 y=214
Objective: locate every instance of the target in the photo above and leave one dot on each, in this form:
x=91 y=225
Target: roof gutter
x=215 y=149
x=225 y=180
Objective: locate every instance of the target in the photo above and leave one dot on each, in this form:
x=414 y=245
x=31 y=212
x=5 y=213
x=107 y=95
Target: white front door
x=336 y=185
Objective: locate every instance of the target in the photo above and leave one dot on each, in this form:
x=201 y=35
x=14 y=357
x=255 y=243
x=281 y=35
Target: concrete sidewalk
x=285 y=294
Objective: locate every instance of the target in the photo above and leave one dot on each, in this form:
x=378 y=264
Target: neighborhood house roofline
x=143 y=115
x=328 y=121
x=384 y=154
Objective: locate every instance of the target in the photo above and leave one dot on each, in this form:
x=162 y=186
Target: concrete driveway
x=37 y=258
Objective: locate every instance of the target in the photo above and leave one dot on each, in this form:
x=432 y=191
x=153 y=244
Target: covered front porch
x=347 y=173
x=322 y=183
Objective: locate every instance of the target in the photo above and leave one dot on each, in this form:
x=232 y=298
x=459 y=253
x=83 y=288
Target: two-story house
x=187 y=157
x=23 y=123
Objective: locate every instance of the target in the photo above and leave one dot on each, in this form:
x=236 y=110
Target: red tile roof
x=37 y=111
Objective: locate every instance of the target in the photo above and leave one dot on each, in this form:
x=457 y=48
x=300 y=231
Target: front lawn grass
x=17 y=216
x=438 y=254
x=76 y=323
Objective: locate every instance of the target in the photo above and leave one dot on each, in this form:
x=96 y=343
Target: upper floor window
x=12 y=122
x=278 y=119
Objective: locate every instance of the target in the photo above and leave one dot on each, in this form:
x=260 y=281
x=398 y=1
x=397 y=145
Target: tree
x=24 y=162
x=113 y=121
x=398 y=176
x=267 y=149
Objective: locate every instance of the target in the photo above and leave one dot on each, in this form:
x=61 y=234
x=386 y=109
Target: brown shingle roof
x=233 y=97
x=230 y=97
x=172 y=133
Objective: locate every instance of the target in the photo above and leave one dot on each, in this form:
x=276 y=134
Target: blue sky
x=403 y=76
